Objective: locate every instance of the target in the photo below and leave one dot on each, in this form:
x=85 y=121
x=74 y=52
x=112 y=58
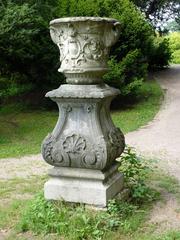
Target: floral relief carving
x=78 y=48
x=60 y=157
x=93 y=49
x=64 y=153
x=74 y=144
x=52 y=152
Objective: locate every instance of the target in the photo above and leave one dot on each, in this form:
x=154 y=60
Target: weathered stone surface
x=84 y=136
x=84 y=44
x=84 y=185
x=85 y=143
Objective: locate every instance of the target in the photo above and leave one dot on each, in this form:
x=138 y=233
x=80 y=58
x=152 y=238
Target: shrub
x=159 y=54
x=136 y=172
x=176 y=57
x=27 y=55
x=27 y=50
x=174 y=40
x=124 y=77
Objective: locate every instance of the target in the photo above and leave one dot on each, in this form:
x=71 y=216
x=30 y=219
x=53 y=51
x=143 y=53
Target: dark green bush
x=26 y=48
x=28 y=52
x=125 y=77
x=159 y=54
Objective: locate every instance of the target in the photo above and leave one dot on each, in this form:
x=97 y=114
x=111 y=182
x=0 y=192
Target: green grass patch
x=139 y=114
x=22 y=131
x=21 y=186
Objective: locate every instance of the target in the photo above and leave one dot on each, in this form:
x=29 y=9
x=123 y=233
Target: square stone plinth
x=88 y=186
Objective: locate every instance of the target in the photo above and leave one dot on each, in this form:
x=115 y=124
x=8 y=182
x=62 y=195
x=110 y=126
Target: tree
x=173 y=26
x=160 y=11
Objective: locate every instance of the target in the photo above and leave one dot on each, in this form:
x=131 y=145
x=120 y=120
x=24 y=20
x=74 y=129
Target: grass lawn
x=22 y=131
x=31 y=217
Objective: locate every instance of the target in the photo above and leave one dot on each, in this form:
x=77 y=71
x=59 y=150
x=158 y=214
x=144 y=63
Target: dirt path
x=160 y=139
x=23 y=167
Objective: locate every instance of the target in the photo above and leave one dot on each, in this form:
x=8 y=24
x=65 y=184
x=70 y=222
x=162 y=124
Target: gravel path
x=23 y=167
x=160 y=139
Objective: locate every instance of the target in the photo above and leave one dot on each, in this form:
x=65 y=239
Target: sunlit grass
x=22 y=131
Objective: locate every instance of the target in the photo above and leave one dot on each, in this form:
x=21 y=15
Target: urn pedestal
x=84 y=143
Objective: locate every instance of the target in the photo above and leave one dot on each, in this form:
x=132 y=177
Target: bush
x=176 y=57
x=27 y=50
x=122 y=76
x=159 y=54
x=27 y=55
x=136 y=172
x=174 y=40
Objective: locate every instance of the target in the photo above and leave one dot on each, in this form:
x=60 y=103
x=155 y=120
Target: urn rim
x=83 y=19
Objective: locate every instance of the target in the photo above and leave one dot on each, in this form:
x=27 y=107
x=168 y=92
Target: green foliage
x=136 y=171
x=174 y=39
x=127 y=66
x=160 y=54
x=176 y=56
x=123 y=76
x=27 y=55
x=74 y=221
x=10 y=87
x=159 y=12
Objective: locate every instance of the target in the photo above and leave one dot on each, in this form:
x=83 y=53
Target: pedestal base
x=83 y=185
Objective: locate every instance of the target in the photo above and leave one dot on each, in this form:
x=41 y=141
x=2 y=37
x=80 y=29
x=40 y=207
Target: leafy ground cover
x=29 y=216
x=22 y=131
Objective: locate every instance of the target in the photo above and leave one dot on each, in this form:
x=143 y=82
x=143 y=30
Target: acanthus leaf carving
x=117 y=139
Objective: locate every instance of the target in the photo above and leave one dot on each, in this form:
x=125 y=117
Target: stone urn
x=84 y=144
